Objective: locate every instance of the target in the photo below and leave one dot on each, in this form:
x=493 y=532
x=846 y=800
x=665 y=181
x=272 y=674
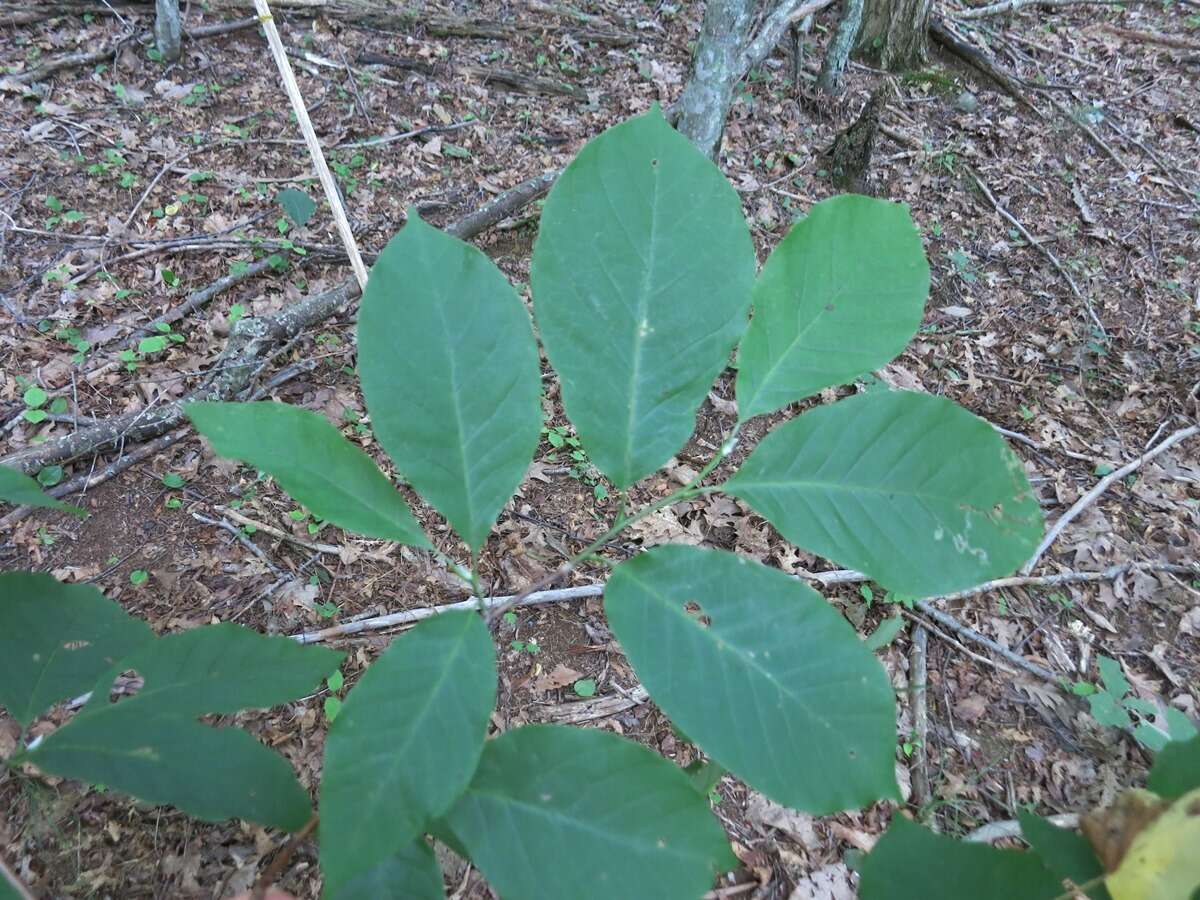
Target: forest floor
x=1100 y=169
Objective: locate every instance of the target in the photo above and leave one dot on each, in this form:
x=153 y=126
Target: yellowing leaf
x=1162 y=862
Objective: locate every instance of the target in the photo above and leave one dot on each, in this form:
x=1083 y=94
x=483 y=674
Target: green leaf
x=138 y=576
x=1176 y=769
x=420 y=715
x=585 y=687
x=1065 y=853
x=450 y=373
x=34 y=397
x=297 y=204
x=411 y=874
x=839 y=297
x=313 y=462
x=556 y=812
x=152 y=344
x=35 y=416
x=222 y=669
x=1112 y=676
x=151 y=746
x=641 y=275
x=210 y=773
x=172 y=480
x=912 y=863
x=18 y=488
x=884 y=633
x=49 y=476
x=56 y=640
x=909 y=488
x=759 y=671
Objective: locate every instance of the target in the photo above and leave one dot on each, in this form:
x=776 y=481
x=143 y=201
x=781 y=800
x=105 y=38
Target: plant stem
x=689 y=490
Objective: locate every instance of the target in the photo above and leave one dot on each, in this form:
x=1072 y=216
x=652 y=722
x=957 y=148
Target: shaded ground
x=1004 y=335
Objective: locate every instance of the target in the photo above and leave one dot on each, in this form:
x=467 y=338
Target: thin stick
x=838 y=576
x=948 y=621
x=412 y=616
x=314 y=145
x=1101 y=486
x=994 y=831
x=241 y=538
x=1039 y=245
x=279 y=863
x=86 y=482
x=918 y=676
x=329 y=549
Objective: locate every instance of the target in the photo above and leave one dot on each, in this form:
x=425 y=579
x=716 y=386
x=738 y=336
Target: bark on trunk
x=708 y=95
x=838 y=54
x=168 y=29
x=895 y=32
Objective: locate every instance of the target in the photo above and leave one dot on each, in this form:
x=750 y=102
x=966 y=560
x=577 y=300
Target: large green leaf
x=913 y=863
x=210 y=773
x=406 y=742
x=313 y=462
x=1067 y=854
x=18 y=488
x=1176 y=769
x=557 y=812
x=642 y=273
x=56 y=640
x=412 y=873
x=222 y=669
x=151 y=746
x=761 y=672
x=909 y=488
x=450 y=373
x=839 y=296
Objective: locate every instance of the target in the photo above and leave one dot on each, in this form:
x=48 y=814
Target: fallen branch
x=1040 y=245
x=1008 y=6
x=412 y=616
x=1101 y=486
x=968 y=633
x=1154 y=37
x=918 y=677
x=977 y=58
x=193 y=302
x=83 y=483
x=21 y=81
x=838 y=576
x=251 y=341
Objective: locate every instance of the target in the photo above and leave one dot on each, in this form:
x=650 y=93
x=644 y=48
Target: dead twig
x=271 y=874
x=1045 y=251
x=995 y=831
x=412 y=616
x=918 y=675
x=1101 y=486
x=970 y=634
x=241 y=538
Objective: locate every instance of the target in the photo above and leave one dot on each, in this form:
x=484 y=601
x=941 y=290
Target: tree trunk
x=895 y=32
x=838 y=54
x=168 y=29
x=708 y=95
